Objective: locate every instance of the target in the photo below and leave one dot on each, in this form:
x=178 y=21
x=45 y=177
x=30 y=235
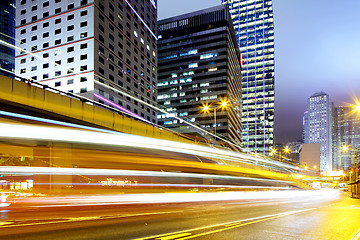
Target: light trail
x=156 y=198
x=16 y=131
x=66 y=124
x=113 y=172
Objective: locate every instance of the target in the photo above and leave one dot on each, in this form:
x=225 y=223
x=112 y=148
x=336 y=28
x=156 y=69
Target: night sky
x=317 y=48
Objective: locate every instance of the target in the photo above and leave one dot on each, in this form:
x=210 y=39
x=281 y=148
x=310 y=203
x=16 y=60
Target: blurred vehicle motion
x=39 y=159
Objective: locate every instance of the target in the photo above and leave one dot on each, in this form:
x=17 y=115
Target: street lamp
x=207 y=109
x=286 y=150
x=273 y=151
x=357 y=107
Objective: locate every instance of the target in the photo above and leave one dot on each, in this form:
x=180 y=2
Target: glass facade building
x=254 y=28
x=7 y=34
x=199 y=65
x=346 y=133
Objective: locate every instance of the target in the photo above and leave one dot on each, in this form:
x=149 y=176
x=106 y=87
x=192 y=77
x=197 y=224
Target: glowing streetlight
x=357 y=107
x=345 y=148
x=206 y=109
x=315 y=166
x=286 y=150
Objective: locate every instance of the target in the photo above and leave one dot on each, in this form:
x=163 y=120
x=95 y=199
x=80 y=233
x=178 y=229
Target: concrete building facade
x=310 y=156
x=102 y=50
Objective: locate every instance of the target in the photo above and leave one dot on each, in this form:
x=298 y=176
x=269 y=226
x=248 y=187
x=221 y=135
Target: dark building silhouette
x=199 y=65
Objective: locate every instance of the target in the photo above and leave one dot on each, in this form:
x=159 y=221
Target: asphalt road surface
x=305 y=215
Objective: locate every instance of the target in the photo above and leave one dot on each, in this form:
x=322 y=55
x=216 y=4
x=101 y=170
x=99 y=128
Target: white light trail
x=71 y=135
x=114 y=172
x=153 y=198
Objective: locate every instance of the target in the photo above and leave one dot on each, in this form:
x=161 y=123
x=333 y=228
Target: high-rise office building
x=346 y=133
x=7 y=36
x=199 y=65
x=95 y=48
x=318 y=127
x=254 y=27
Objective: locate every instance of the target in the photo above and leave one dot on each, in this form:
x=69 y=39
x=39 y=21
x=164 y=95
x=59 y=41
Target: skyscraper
x=346 y=133
x=318 y=127
x=7 y=35
x=254 y=27
x=199 y=65
x=102 y=50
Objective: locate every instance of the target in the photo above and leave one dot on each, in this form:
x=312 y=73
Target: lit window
x=191 y=52
x=209 y=55
x=173 y=82
x=193 y=65
x=162 y=84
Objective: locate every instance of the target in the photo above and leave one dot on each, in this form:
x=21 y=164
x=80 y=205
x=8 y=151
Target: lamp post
x=207 y=109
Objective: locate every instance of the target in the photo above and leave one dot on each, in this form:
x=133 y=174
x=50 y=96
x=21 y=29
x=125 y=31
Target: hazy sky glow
x=317 y=48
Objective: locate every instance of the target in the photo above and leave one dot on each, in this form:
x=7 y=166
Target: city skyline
x=325 y=61
x=115 y=124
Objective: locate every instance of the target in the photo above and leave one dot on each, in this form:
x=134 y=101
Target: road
x=272 y=215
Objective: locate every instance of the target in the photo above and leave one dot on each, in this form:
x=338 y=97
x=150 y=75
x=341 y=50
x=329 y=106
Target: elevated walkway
x=25 y=97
